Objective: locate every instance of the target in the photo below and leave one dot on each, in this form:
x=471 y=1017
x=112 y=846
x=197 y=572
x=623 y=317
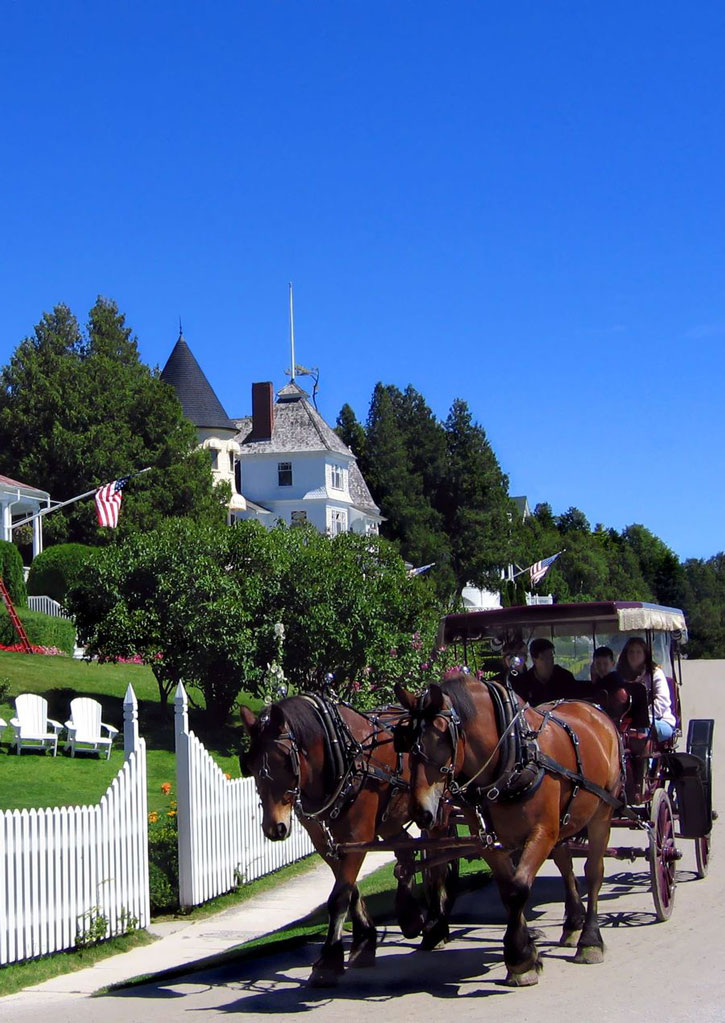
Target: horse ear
x=277 y=722
x=406 y=698
x=249 y=719
x=435 y=697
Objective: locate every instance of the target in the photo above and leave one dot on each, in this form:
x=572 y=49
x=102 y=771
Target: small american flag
x=108 y=502
x=539 y=570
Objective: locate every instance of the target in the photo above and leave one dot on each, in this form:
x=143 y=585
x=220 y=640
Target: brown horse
x=339 y=800
x=458 y=742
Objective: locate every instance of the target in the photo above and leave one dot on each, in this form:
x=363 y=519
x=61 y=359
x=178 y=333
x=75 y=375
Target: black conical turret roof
x=194 y=391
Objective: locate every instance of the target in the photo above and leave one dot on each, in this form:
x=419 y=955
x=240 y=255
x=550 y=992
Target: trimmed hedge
x=42 y=630
x=58 y=568
x=11 y=572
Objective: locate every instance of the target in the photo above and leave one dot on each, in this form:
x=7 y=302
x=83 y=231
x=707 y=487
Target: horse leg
x=331 y=962
x=574 y=912
x=519 y=948
x=364 y=934
x=590 y=948
x=407 y=907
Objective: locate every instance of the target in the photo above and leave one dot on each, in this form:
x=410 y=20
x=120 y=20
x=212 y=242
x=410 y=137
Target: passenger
x=603 y=671
x=545 y=680
x=615 y=697
x=635 y=664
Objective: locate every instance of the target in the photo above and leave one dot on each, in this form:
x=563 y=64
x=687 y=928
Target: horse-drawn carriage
x=667 y=791
x=526 y=782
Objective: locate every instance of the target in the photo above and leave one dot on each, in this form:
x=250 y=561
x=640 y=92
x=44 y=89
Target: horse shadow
x=276 y=984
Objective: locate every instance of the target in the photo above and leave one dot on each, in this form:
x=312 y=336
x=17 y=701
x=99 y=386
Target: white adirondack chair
x=85 y=728
x=31 y=722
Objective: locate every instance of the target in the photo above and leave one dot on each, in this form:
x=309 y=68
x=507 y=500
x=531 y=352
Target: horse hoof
x=569 y=939
x=361 y=958
x=589 y=955
x=411 y=928
x=435 y=937
x=527 y=979
x=323 y=978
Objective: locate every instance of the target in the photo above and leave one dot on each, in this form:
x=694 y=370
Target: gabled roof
x=361 y=497
x=6 y=481
x=297 y=427
x=197 y=397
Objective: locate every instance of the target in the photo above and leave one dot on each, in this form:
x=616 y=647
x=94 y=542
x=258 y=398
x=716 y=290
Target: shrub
x=57 y=569
x=164 y=858
x=42 y=630
x=11 y=572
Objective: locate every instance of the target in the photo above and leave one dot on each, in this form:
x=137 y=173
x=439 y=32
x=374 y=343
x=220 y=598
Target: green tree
x=411 y=520
x=202 y=604
x=352 y=433
x=78 y=410
x=474 y=502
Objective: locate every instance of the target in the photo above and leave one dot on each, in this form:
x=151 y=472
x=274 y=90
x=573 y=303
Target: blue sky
x=517 y=204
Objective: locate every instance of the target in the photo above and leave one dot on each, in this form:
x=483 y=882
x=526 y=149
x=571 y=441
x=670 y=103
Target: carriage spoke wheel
x=663 y=855
x=702 y=855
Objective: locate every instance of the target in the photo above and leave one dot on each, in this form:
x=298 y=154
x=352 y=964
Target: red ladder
x=24 y=641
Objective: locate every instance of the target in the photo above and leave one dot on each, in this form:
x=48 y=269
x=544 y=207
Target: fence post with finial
x=183 y=797
x=130 y=723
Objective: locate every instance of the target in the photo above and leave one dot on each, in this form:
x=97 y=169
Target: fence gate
x=220 y=835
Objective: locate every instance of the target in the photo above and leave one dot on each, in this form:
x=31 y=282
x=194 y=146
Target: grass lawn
x=37 y=780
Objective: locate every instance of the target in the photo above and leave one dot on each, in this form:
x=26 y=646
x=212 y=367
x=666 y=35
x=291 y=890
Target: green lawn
x=40 y=780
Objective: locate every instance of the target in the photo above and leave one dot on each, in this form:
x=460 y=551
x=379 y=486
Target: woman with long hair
x=635 y=664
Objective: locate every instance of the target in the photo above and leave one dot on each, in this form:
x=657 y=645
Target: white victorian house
x=295 y=468
x=18 y=501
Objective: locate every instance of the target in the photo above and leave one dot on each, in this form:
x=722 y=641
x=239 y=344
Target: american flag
x=539 y=570
x=108 y=502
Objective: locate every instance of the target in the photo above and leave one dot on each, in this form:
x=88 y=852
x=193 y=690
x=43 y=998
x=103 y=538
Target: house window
x=336 y=477
x=284 y=474
x=337 y=521
x=231 y=462
x=298 y=518
x=214 y=458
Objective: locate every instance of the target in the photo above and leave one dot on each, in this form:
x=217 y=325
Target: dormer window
x=284 y=474
x=337 y=477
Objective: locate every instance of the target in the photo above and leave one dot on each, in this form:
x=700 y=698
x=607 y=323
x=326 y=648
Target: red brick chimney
x=262 y=411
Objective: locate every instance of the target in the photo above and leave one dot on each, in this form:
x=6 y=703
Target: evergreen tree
x=474 y=502
x=78 y=411
x=352 y=433
x=398 y=490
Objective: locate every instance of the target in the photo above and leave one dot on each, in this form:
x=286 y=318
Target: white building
x=17 y=502
x=295 y=468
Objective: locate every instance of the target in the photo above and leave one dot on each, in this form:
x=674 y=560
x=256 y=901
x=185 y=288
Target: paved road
x=652 y=972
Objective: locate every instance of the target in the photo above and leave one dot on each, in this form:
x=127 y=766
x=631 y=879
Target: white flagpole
x=72 y=500
x=292 y=329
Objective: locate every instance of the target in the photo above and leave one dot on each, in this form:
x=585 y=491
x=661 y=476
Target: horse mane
x=458 y=692
x=304 y=723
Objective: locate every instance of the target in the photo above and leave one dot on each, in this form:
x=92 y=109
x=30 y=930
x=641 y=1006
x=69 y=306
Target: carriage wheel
x=702 y=856
x=663 y=855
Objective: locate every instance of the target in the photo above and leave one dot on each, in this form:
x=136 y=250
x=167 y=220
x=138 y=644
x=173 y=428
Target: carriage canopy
x=575 y=629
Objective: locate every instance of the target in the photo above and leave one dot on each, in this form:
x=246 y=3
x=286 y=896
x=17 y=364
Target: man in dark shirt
x=545 y=680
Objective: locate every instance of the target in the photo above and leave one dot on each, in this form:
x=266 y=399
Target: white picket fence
x=48 y=606
x=65 y=871
x=220 y=835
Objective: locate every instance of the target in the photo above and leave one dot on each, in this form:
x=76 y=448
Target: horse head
x=272 y=759
x=432 y=733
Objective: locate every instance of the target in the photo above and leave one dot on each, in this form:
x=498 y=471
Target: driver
x=545 y=680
